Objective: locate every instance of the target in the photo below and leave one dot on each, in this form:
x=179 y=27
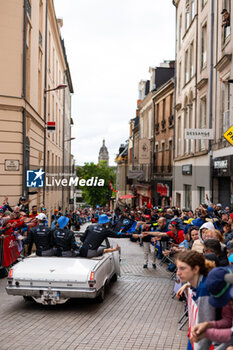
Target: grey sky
x=110 y=45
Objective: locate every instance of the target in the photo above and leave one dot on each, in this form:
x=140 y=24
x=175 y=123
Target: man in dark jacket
x=95 y=235
x=64 y=239
x=41 y=235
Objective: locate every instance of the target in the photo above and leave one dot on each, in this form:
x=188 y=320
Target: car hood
x=54 y=269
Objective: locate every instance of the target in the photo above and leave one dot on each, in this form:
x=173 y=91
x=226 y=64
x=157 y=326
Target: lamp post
x=59 y=87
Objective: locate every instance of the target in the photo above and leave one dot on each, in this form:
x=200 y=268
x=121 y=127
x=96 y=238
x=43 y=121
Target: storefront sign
x=199 y=134
x=144 y=151
x=229 y=135
x=163 y=190
x=220 y=164
x=134 y=174
x=11 y=165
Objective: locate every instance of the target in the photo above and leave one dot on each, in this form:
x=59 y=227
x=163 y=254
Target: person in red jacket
x=175 y=233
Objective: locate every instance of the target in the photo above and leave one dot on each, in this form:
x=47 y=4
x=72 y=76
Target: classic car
x=54 y=280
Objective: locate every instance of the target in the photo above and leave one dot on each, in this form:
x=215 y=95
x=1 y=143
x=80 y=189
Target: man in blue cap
x=94 y=236
x=64 y=239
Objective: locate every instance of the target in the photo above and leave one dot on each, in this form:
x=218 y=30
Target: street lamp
x=59 y=87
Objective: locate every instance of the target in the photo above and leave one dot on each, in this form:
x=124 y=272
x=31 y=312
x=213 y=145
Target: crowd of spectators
x=197 y=247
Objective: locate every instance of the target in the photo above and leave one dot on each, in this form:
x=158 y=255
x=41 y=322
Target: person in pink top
x=221 y=296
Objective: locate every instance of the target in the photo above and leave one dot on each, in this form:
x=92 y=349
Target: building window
x=191 y=61
x=201 y=191
x=203 y=2
x=171 y=104
x=187 y=15
x=180 y=31
x=163 y=157
x=149 y=124
x=186 y=71
x=179 y=136
x=186 y=126
x=225 y=107
x=202 y=121
x=192 y=9
x=179 y=78
x=170 y=156
x=203 y=45
x=188 y=196
x=141 y=127
x=226 y=20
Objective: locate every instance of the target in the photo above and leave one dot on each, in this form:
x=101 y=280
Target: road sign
x=229 y=135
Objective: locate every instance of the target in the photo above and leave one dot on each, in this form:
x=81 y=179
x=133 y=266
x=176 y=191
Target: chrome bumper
x=63 y=292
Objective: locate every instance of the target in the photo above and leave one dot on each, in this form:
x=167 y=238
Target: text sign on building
x=220 y=164
x=199 y=134
x=134 y=174
x=144 y=151
x=11 y=165
x=163 y=190
x=229 y=135
x=187 y=169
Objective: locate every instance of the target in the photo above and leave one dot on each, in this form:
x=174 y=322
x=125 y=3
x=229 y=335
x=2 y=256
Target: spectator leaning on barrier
x=175 y=232
x=219 y=284
x=191 y=267
x=146 y=239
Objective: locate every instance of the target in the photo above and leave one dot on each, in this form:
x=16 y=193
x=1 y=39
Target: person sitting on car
x=95 y=235
x=64 y=239
x=41 y=235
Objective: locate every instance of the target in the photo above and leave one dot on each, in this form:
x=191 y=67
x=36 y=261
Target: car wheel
x=114 y=278
x=100 y=298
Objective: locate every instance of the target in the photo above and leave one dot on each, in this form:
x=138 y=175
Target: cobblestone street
x=138 y=313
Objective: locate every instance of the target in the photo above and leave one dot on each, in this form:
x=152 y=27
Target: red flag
x=111 y=187
x=10 y=250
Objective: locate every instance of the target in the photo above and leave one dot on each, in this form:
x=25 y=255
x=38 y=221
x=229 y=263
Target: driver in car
x=95 y=235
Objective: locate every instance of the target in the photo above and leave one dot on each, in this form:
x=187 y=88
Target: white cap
x=41 y=216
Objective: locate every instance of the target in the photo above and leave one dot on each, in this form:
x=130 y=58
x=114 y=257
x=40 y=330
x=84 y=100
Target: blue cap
x=210 y=209
x=62 y=221
x=197 y=222
x=230 y=258
x=220 y=291
x=103 y=219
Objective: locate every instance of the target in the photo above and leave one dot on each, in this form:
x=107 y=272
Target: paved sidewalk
x=138 y=314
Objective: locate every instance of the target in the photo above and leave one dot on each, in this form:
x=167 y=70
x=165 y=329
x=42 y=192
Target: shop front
x=161 y=192
x=143 y=195
x=222 y=179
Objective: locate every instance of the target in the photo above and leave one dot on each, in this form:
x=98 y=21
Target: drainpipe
x=24 y=97
x=63 y=142
x=45 y=95
x=175 y=87
x=211 y=91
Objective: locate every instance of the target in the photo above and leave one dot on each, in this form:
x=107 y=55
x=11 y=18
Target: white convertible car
x=53 y=280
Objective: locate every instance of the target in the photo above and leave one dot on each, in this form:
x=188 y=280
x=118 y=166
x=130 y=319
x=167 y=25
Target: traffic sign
x=229 y=135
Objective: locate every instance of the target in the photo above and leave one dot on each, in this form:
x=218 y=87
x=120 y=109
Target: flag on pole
x=111 y=187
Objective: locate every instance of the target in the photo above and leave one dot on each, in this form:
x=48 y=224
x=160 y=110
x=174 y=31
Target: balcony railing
x=162 y=169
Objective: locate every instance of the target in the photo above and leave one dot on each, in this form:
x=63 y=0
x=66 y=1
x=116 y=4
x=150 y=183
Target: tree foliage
x=97 y=195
